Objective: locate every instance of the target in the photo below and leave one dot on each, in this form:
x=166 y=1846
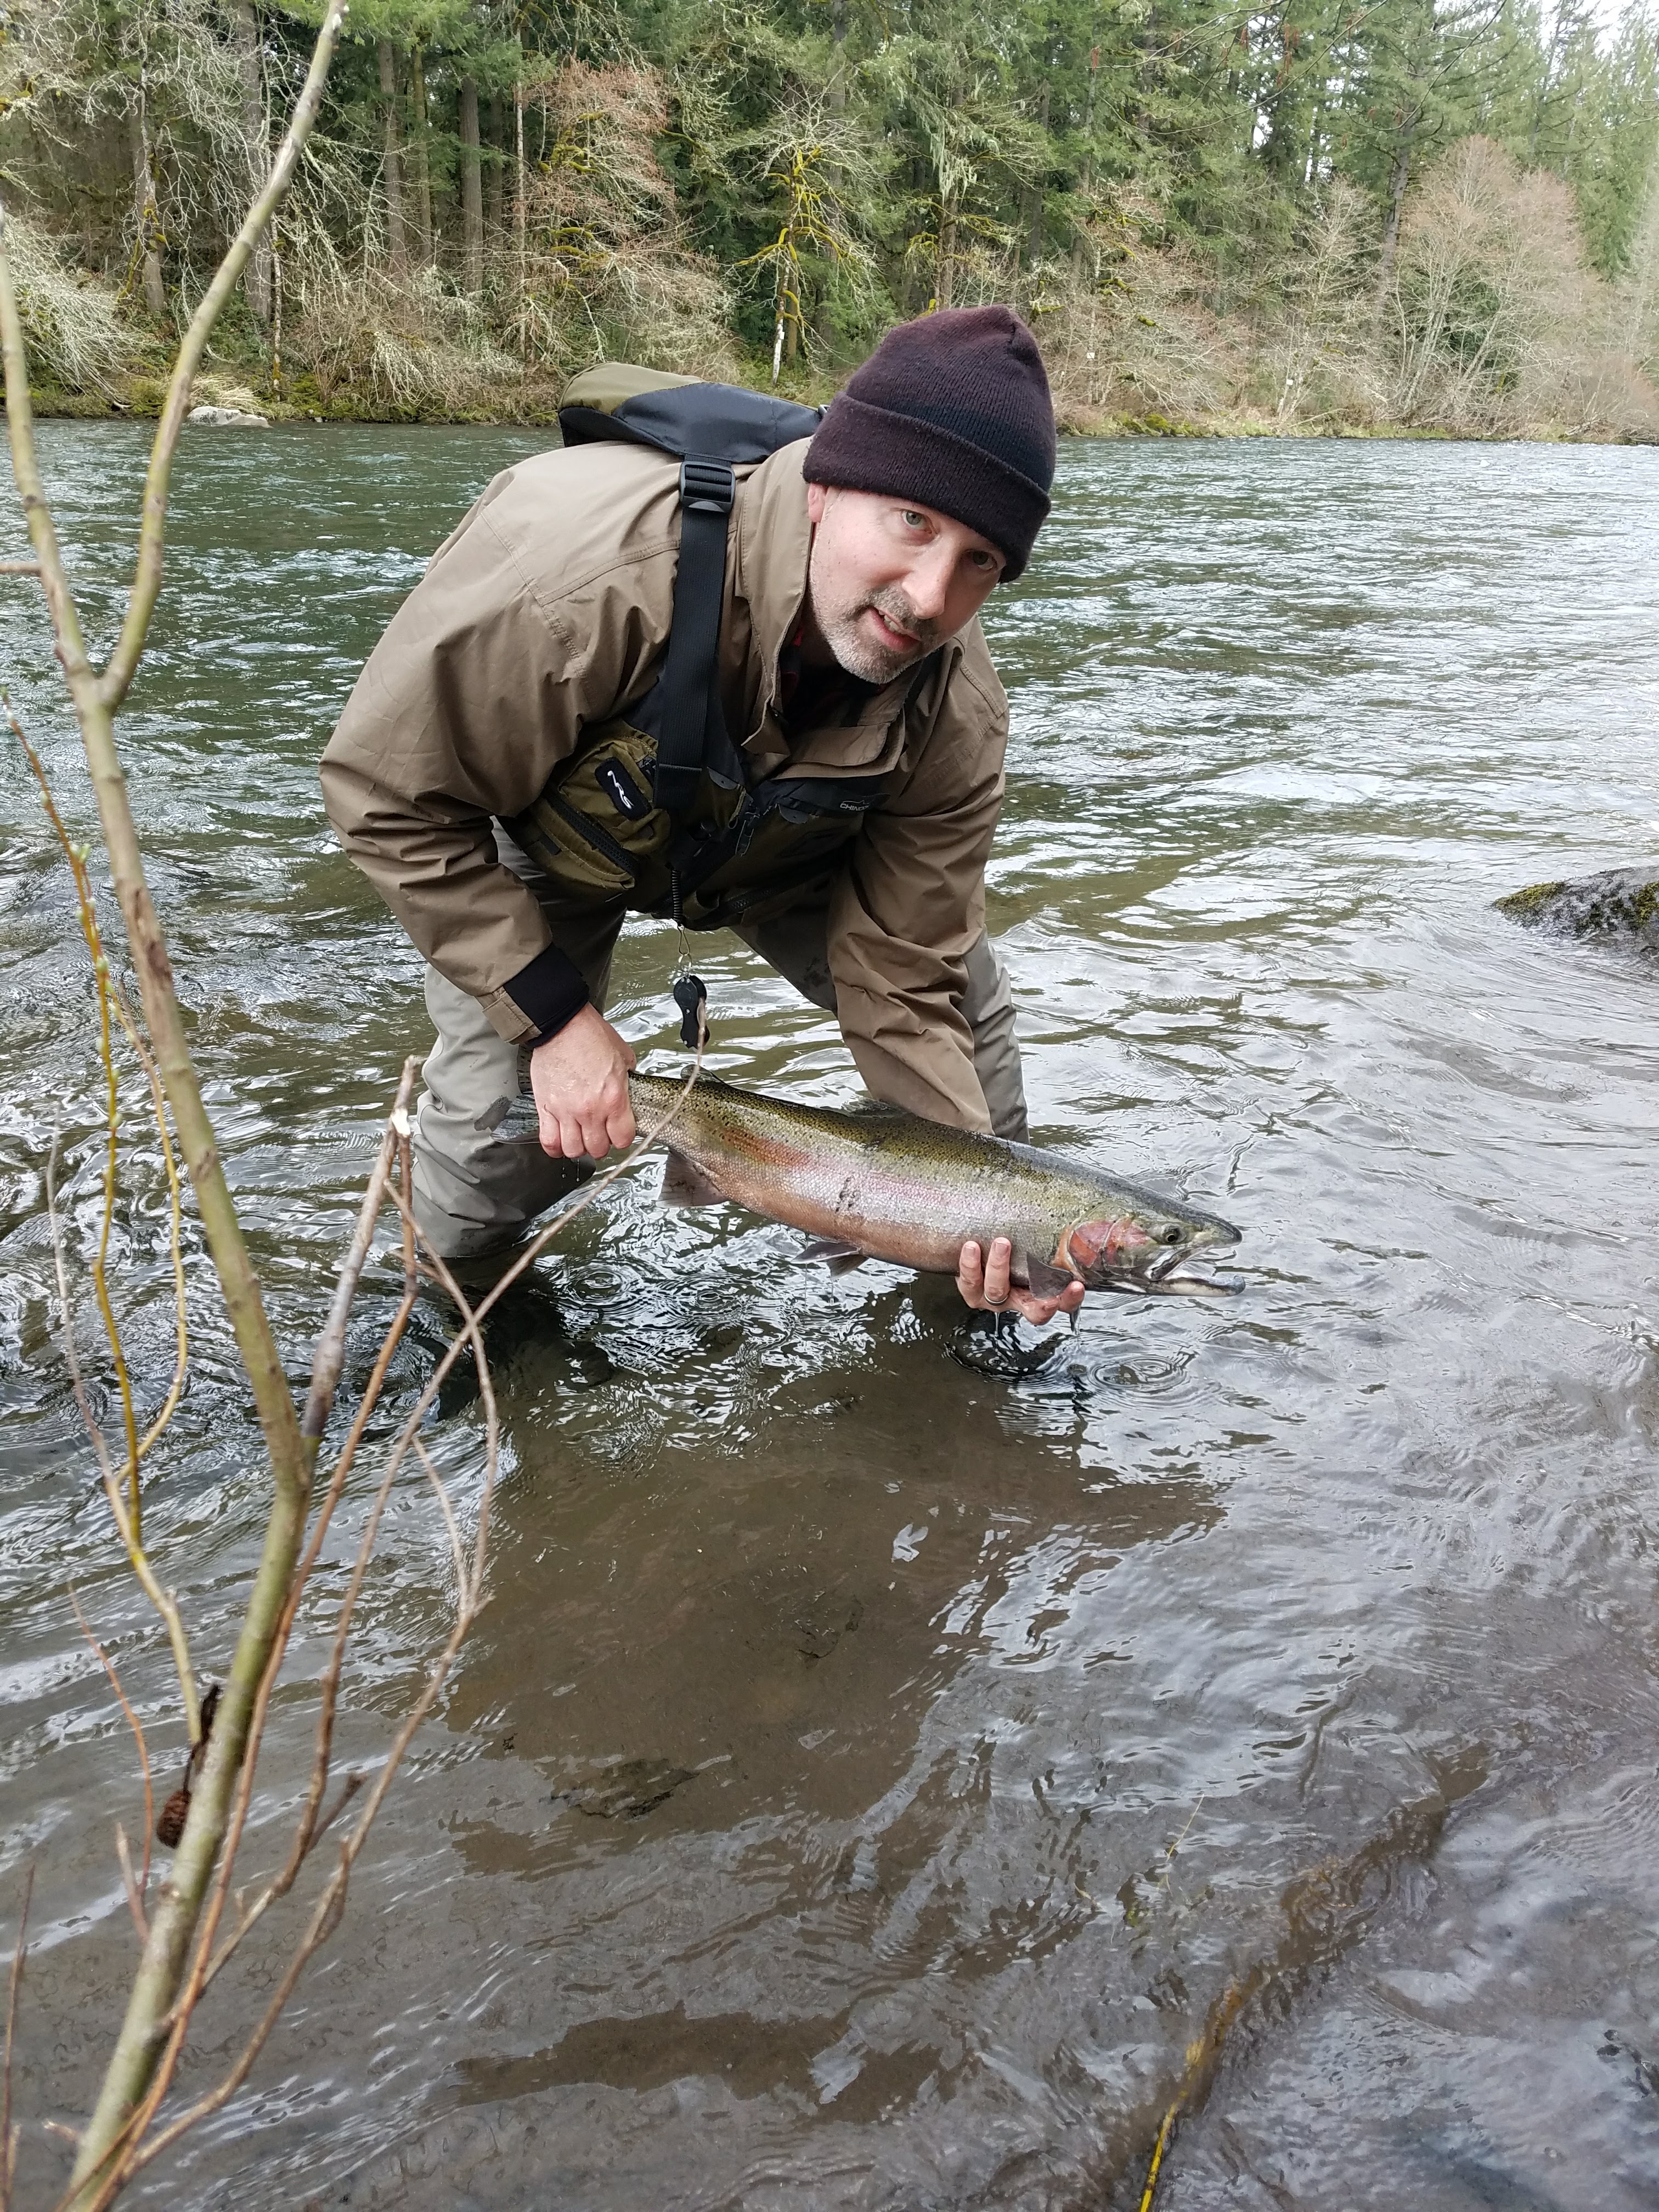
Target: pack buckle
x=708 y=486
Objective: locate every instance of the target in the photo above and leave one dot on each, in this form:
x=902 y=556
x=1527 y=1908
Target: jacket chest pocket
x=598 y=833
x=597 y=830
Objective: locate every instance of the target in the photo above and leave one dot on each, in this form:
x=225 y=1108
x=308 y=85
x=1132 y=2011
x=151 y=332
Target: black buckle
x=707 y=484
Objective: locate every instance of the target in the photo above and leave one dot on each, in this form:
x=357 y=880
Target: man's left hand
x=984 y=1286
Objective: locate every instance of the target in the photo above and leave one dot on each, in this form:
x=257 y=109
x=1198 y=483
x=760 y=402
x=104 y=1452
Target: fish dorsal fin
x=684 y=1184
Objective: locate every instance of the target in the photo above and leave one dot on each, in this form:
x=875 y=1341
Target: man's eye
x=913 y=520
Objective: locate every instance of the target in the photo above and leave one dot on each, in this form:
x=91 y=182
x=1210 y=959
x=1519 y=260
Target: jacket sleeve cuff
x=548 y=992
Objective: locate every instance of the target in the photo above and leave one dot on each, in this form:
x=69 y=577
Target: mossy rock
x=75 y=406
x=1619 y=903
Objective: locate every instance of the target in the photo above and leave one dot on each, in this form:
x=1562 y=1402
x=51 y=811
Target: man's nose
x=928 y=584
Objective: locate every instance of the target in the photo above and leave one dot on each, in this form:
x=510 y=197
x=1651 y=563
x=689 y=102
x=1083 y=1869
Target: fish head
x=1144 y=1246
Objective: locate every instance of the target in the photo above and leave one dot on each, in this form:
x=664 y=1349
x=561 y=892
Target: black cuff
x=549 y=991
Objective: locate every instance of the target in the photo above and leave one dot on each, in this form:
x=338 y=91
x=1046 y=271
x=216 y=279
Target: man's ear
x=815 y=493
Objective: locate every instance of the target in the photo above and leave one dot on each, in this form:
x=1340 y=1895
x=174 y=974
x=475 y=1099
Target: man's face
x=887 y=581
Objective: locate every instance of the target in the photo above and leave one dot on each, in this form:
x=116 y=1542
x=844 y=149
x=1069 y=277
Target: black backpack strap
x=688 y=702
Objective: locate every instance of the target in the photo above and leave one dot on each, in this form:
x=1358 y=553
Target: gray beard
x=860 y=656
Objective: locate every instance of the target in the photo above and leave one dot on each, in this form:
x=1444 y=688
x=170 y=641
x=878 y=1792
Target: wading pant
x=475 y=1194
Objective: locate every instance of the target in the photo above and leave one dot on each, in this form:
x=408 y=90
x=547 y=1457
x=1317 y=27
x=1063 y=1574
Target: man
x=490 y=777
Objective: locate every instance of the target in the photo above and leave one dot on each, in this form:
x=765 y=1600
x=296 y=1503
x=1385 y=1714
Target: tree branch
x=291 y=1455
x=134 y=1723
x=123 y=665
x=7 y=2133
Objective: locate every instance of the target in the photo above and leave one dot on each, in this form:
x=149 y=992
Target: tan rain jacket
x=545 y=611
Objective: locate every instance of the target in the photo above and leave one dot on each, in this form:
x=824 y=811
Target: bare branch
x=110 y=996
x=66 y=1317
x=108 y=1666
x=107 y=2144
x=147 y=579
x=329 y=1355
x=204 y=1969
x=7 y=2133
x=124 y=2159
x=331 y=1900
x=169 y=1405
x=132 y=2146
x=94 y=942
x=135 y=1900
x=448 y=1512
x=163 y=1601
x=349 y=1789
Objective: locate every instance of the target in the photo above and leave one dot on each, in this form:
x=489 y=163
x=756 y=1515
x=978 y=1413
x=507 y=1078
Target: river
x=870 y=1773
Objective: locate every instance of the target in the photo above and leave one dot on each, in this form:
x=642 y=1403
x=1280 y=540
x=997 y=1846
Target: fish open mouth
x=1187 y=1283
x=1172 y=1274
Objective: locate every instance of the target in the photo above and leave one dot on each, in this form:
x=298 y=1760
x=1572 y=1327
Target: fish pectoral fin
x=840 y=1258
x=1044 y=1281
x=684 y=1184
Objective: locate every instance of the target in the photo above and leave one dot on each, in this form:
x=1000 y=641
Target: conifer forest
x=1313 y=214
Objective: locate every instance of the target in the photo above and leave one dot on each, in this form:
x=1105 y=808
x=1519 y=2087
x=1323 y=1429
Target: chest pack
x=654 y=807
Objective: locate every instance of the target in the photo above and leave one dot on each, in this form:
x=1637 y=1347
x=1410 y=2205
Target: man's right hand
x=579 y=1080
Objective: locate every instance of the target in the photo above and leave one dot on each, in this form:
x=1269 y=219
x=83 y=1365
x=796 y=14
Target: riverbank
x=1482 y=319
x=533 y=404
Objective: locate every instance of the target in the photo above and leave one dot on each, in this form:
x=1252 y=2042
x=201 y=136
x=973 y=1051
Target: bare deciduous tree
x=1496 y=321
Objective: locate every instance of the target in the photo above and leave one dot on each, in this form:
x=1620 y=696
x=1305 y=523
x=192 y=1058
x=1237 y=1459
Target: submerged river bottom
x=873 y=1773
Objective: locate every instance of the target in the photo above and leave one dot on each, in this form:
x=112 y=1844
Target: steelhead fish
x=885 y=1185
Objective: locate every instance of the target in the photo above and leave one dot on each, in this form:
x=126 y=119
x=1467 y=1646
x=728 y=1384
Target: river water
x=870 y=1773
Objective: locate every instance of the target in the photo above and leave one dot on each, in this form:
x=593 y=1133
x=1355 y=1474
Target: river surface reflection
x=799 y=1829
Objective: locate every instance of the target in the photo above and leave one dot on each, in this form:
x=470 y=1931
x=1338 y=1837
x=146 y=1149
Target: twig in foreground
x=135 y=2148
x=135 y=1900
x=137 y=1558
x=7 y=2133
x=134 y=1723
x=204 y=1967
x=331 y=1902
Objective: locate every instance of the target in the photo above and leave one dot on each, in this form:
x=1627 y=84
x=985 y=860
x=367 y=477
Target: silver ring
x=997 y=1305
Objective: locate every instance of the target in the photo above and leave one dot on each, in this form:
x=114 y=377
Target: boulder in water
x=227 y=418
x=1619 y=903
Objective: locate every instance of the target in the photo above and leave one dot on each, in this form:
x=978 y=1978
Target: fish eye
x=1171 y=1235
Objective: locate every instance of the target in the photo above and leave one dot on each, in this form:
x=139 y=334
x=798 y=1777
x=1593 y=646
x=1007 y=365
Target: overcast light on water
x=871 y=1774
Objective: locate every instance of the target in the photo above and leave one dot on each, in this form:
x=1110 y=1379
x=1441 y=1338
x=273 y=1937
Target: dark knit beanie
x=953 y=411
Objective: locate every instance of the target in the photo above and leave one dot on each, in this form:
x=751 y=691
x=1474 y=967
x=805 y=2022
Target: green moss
x=1621 y=902
x=77 y=406
x=1525 y=905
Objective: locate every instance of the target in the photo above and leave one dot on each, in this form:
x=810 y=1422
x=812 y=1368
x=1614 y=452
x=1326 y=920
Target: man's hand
x=984 y=1286
x=580 y=1078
